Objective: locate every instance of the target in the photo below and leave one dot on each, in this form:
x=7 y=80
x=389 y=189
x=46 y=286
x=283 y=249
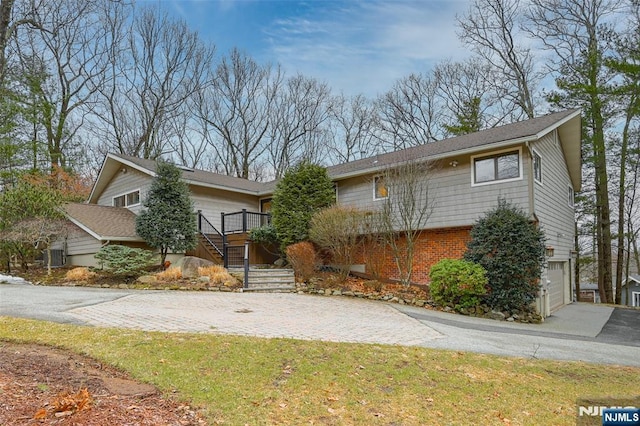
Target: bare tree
x=73 y=42
x=351 y=128
x=237 y=106
x=297 y=113
x=152 y=81
x=468 y=103
x=573 y=30
x=405 y=212
x=409 y=114
x=491 y=27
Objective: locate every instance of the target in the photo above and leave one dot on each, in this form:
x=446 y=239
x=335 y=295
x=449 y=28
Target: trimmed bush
x=512 y=251
x=302 y=191
x=458 y=283
x=123 y=260
x=303 y=259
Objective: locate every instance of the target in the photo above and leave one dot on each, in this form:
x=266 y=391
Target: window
x=503 y=166
x=635 y=299
x=571 y=197
x=380 y=190
x=537 y=167
x=127 y=200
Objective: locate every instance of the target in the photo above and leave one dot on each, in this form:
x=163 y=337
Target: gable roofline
x=568 y=124
x=201 y=178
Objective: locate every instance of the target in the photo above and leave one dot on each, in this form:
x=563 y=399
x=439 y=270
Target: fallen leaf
x=40 y=414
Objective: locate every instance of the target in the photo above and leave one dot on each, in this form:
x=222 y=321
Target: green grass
x=254 y=381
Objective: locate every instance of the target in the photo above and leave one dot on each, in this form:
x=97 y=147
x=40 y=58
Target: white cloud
x=365 y=47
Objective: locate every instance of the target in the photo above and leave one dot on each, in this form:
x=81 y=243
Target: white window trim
x=533 y=168
x=375 y=198
x=494 y=154
x=125 y=198
x=635 y=296
x=571 y=197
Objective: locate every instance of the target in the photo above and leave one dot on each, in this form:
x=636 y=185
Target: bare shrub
x=336 y=230
x=170 y=274
x=79 y=274
x=303 y=258
x=218 y=275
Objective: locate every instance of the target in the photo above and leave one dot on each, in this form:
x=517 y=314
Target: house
x=534 y=164
x=630 y=292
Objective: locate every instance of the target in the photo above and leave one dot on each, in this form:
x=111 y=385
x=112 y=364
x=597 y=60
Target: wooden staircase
x=268 y=279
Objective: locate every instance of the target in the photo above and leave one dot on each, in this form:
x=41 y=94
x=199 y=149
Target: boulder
x=147 y=279
x=189 y=266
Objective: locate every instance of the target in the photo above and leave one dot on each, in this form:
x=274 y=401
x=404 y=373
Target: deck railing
x=243 y=221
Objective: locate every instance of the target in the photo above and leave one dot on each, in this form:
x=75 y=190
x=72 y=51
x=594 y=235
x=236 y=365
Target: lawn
x=255 y=381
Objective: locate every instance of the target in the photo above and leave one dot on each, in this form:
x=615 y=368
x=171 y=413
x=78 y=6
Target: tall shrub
x=168 y=221
x=512 y=251
x=303 y=190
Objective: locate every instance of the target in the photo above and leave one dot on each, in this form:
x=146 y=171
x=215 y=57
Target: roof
x=113 y=162
x=567 y=122
x=104 y=223
x=631 y=277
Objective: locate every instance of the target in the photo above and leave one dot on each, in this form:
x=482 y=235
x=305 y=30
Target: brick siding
x=431 y=247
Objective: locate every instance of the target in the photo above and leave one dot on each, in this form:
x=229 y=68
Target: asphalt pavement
x=579 y=331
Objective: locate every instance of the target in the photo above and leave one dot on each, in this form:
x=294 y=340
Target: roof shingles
x=108 y=223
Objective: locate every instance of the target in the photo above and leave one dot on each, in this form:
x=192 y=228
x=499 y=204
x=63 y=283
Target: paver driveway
x=573 y=333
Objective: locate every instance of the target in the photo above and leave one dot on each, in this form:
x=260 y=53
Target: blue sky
x=354 y=46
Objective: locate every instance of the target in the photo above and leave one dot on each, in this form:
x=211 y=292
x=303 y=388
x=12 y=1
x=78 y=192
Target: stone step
x=265 y=279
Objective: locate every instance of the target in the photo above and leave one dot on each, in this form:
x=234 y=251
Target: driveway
x=584 y=332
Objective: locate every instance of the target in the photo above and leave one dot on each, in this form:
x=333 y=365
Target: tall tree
x=491 y=28
x=74 y=43
x=168 y=221
x=409 y=114
x=236 y=107
x=156 y=71
x=351 y=128
x=299 y=110
x=574 y=31
x=627 y=64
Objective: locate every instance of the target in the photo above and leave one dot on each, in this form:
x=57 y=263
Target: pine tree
x=168 y=221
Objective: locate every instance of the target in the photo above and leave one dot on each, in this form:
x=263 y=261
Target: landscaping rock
x=189 y=266
x=510 y=319
x=147 y=279
x=496 y=315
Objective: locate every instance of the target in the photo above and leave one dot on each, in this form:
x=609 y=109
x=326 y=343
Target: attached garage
x=557 y=282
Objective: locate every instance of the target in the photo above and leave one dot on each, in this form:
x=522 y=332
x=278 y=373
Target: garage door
x=556 y=277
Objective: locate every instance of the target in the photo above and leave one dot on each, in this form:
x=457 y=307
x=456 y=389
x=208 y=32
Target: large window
x=497 y=167
x=380 y=190
x=127 y=200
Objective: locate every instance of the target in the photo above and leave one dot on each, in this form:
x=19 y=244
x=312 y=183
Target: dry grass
x=170 y=274
x=218 y=275
x=79 y=274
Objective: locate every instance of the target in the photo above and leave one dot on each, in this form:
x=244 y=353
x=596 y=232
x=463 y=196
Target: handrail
x=203 y=220
x=243 y=221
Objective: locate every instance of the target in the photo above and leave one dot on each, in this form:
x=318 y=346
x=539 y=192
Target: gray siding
x=80 y=242
x=455 y=202
x=212 y=202
x=629 y=289
x=123 y=183
x=551 y=198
